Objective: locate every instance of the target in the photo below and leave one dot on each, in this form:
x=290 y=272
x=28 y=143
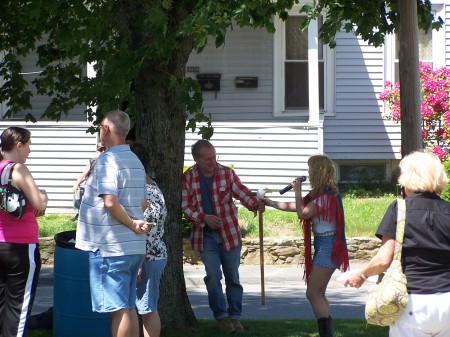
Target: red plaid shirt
x=226 y=186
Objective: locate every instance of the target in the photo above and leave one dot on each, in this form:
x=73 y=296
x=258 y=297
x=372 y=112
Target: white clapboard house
x=284 y=97
x=275 y=100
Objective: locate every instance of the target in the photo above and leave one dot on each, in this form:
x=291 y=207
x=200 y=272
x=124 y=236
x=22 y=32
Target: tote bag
x=388 y=298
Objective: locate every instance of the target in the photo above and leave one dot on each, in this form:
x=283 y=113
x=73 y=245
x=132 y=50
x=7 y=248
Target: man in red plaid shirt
x=207 y=200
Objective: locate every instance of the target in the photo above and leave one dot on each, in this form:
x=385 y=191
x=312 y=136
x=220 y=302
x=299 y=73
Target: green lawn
x=265 y=328
x=362 y=216
x=51 y=224
x=287 y=328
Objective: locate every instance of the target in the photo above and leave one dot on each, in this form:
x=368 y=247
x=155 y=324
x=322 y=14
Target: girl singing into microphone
x=321 y=212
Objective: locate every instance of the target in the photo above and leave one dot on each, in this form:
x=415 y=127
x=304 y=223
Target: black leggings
x=20 y=265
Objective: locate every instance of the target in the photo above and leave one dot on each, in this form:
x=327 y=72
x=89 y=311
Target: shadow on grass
x=284 y=328
x=267 y=328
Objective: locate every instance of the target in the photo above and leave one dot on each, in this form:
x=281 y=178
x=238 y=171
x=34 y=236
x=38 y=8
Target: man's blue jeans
x=213 y=257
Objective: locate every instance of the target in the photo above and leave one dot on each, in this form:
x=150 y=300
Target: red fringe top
x=331 y=210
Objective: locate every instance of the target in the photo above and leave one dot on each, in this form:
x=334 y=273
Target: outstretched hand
x=267 y=201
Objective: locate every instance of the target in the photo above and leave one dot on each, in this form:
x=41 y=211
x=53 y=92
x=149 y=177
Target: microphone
x=289 y=187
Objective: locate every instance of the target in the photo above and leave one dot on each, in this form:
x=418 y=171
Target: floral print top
x=156 y=212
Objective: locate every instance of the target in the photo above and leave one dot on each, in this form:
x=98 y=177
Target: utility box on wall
x=209 y=82
x=246 y=82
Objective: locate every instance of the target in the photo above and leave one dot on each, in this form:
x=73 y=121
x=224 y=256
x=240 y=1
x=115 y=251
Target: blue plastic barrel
x=72 y=306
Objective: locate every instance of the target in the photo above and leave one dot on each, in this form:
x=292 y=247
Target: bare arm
x=82 y=176
x=144 y=205
x=288 y=206
x=377 y=265
x=303 y=211
x=23 y=180
x=118 y=212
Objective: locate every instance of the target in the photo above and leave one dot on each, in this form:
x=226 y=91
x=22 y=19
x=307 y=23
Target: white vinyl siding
x=40 y=102
x=263 y=154
x=358 y=130
x=247 y=52
x=266 y=150
x=59 y=153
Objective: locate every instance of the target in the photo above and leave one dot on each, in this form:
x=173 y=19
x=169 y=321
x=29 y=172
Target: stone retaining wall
x=288 y=250
x=276 y=250
x=47 y=248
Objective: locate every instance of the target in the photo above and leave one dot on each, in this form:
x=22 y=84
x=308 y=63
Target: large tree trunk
x=160 y=124
x=409 y=77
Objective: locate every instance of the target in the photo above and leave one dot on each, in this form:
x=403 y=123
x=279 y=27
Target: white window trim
x=438 y=40
x=389 y=167
x=329 y=72
x=91 y=73
x=437 y=45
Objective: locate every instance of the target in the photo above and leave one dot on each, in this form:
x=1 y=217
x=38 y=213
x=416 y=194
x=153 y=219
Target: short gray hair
x=120 y=122
x=198 y=145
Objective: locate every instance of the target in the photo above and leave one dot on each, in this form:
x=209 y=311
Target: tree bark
x=160 y=125
x=410 y=99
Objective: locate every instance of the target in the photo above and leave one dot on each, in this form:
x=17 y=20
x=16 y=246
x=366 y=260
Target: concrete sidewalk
x=284 y=289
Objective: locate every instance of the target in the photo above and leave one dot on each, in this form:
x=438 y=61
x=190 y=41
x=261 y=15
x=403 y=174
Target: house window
x=294 y=73
x=296 y=66
x=431 y=48
x=425 y=51
x=354 y=173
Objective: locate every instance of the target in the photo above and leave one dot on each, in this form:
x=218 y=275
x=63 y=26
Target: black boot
x=325 y=327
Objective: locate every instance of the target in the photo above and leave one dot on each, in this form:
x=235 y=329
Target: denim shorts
x=113 y=281
x=148 y=286
x=323 y=246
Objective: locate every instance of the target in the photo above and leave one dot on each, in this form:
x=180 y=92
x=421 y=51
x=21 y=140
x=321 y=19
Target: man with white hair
x=111 y=224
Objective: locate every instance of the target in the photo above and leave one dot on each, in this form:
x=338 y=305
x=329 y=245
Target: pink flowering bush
x=435 y=109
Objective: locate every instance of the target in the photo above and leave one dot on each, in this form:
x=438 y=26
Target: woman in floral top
x=156 y=253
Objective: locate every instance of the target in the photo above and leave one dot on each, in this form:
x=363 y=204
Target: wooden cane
x=261 y=256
